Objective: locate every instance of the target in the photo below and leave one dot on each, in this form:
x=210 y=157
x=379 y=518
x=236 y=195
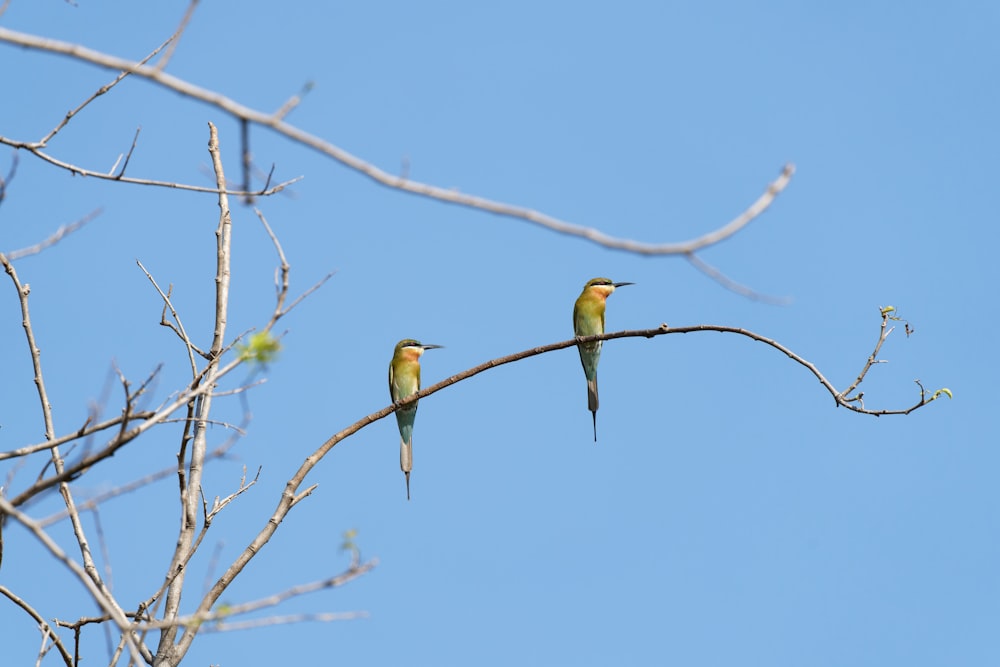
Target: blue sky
x=729 y=514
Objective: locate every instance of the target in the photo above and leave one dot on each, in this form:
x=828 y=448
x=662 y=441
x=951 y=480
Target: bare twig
x=128 y=157
x=293 y=101
x=192 y=393
x=100 y=597
x=219 y=505
x=87 y=429
x=873 y=357
x=276 y=123
x=733 y=286
x=5 y=181
x=297 y=300
x=100 y=91
x=90 y=572
x=285 y=620
x=176 y=37
x=146 y=480
x=103 y=543
x=190 y=496
x=228 y=611
x=35 y=353
x=59 y=234
x=247 y=158
x=223 y=241
x=43 y=626
x=280 y=286
x=35 y=149
x=177 y=318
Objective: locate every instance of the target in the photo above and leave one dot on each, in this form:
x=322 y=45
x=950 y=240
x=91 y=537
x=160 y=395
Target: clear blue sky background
x=730 y=514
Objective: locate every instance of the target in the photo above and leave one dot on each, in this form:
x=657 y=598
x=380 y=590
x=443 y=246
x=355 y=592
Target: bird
x=404 y=380
x=588 y=320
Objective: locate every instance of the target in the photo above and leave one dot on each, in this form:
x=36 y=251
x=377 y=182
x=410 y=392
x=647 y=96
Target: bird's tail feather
x=592 y=395
x=592 y=402
x=406 y=461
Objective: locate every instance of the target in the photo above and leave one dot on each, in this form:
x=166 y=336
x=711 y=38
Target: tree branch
x=45 y=628
x=290 y=497
x=275 y=122
x=83 y=432
x=102 y=600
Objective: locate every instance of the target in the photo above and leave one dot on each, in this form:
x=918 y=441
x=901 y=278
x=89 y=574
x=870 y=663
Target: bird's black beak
x=622 y=284
x=431 y=347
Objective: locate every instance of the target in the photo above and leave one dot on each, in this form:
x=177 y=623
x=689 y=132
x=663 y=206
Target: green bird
x=404 y=380
x=588 y=320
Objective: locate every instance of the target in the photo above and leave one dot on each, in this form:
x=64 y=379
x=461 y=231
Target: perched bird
x=588 y=320
x=404 y=380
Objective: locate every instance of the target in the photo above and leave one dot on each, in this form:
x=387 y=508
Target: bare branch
x=177 y=318
x=176 y=37
x=36 y=361
x=90 y=572
x=280 y=286
x=36 y=150
x=100 y=597
x=5 y=181
x=42 y=624
x=192 y=393
x=293 y=101
x=128 y=157
x=290 y=497
x=228 y=611
x=219 y=505
x=275 y=122
x=247 y=158
x=319 y=283
x=223 y=241
x=285 y=620
x=84 y=431
x=59 y=234
x=873 y=357
x=192 y=492
x=100 y=91
x=146 y=480
x=732 y=285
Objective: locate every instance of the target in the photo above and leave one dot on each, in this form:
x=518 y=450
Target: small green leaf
x=944 y=390
x=348 y=543
x=888 y=309
x=261 y=347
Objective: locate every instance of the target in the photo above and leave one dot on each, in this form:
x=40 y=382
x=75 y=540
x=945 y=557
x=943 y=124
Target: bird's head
x=603 y=286
x=411 y=347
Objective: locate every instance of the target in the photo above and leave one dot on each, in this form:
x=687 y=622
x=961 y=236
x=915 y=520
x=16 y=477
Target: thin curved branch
x=84 y=431
x=732 y=285
x=179 y=330
x=103 y=601
x=45 y=628
x=100 y=91
x=36 y=150
x=55 y=238
x=290 y=495
x=193 y=391
x=275 y=122
x=229 y=611
x=62 y=474
x=840 y=398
